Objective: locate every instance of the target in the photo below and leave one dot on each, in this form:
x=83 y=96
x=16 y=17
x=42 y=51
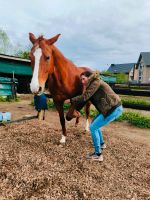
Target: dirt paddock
x=34 y=166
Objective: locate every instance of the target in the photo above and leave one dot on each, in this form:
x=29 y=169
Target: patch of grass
x=131 y=97
x=51 y=105
x=135 y=118
x=9 y=99
x=93 y=113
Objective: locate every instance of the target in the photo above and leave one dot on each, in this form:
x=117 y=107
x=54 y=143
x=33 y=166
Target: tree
x=23 y=54
x=5 y=44
x=7 y=48
x=120 y=77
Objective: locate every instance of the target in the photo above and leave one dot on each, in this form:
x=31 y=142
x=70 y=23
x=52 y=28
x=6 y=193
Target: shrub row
x=135 y=102
x=134 y=118
x=8 y=99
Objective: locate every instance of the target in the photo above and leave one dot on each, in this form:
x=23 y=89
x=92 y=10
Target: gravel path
x=34 y=166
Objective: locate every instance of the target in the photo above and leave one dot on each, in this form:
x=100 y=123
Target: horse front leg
x=60 y=109
x=87 y=111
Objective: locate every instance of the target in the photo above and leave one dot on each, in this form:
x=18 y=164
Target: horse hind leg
x=87 y=111
x=87 y=129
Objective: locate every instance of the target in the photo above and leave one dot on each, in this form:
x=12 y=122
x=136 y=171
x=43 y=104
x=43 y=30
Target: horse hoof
x=63 y=140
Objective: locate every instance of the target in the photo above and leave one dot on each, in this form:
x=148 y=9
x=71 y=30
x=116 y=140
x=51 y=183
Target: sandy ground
x=35 y=166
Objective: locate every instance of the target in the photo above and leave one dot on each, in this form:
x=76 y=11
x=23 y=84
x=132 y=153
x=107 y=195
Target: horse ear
x=53 y=39
x=32 y=38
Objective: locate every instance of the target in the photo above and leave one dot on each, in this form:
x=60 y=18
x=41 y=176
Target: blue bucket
x=1 y=117
x=5 y=116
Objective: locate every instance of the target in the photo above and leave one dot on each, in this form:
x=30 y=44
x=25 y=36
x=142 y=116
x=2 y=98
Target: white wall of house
x=142 y=73
x=136 y=74
x=131 y=74
x=146 y=74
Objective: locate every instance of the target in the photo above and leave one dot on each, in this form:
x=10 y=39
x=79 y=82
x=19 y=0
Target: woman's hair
x=86 y=73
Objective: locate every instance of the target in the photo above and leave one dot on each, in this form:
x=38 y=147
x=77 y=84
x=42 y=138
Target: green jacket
x=100 y=94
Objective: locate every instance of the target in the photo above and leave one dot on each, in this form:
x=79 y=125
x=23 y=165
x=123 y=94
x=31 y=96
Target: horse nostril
x=40 y=88
x=47 y=57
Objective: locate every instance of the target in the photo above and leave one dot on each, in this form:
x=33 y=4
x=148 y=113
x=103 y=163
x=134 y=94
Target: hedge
x=134 y=118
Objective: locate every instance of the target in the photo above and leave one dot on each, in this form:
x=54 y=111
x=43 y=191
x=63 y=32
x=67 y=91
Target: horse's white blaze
x=63 y=139
x=87 y=125
x=34 y=86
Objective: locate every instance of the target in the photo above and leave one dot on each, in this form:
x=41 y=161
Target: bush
x=120 y=77
x=8 y=99
x=135 y=102
x=51 y=104
x=136 y=119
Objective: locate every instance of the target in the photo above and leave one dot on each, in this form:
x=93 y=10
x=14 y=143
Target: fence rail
x=8 y=87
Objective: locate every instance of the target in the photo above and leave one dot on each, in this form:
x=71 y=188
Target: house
x=126 y=68
x=142 y=68
x=19 y=68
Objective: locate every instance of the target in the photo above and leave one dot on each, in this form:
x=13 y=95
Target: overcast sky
x=94 y=33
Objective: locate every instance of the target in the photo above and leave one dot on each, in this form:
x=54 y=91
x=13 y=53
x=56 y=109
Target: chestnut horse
x=48 y=63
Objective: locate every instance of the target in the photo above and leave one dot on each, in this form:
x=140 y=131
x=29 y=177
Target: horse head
x=41 y=56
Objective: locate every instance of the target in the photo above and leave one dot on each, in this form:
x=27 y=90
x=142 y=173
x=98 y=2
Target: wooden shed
x=19 y=68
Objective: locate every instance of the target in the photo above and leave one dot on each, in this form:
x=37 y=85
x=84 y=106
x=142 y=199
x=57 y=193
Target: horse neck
x=62 y=64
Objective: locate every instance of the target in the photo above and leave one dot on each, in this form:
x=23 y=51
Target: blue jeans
x=100 y=121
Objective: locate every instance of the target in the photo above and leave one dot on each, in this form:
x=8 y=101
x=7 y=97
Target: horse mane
x=40 y=38
x=60 y=54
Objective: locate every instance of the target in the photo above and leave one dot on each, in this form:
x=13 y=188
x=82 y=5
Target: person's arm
x=90 y=90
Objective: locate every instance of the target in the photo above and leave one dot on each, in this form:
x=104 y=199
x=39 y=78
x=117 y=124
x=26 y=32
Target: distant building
x=21 y=68
x=126 y=68
x=142 y=68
